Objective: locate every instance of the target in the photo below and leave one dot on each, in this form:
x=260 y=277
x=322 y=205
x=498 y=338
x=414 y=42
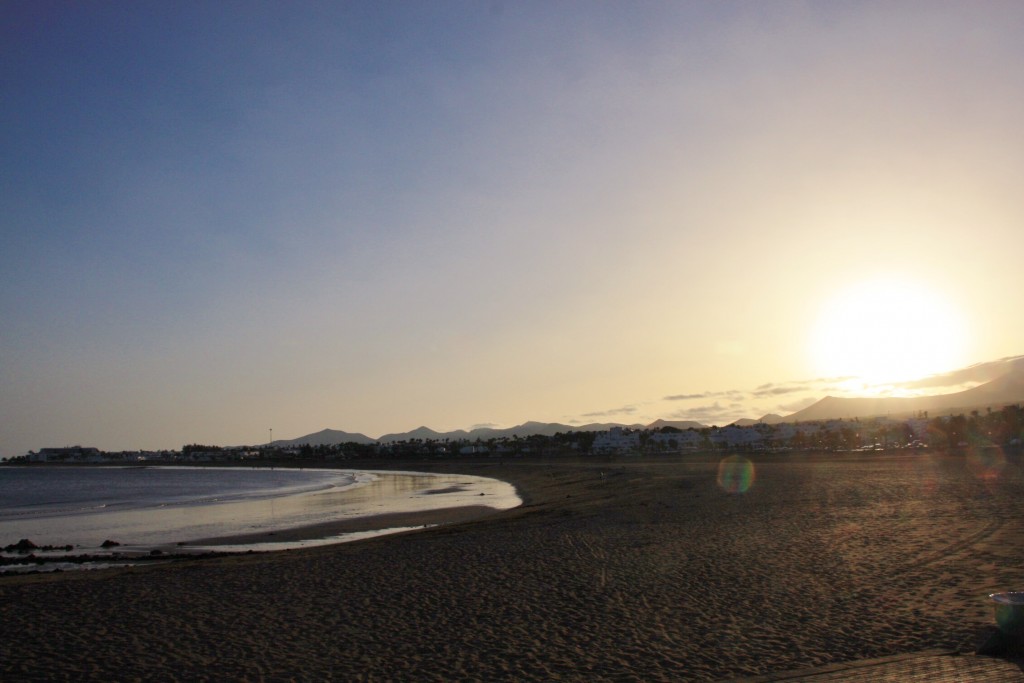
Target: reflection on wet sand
x=383 y=502
x=374 y=502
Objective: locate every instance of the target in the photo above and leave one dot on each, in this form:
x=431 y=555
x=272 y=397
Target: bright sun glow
x=887 y=330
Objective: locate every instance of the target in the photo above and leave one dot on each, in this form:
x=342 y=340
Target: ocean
x=170 y=507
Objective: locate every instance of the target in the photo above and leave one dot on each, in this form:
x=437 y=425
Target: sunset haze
x=223 y=219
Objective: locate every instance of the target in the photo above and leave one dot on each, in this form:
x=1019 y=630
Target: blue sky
x=220 y=218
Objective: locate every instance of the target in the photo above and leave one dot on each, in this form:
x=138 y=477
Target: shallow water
x=161 y=507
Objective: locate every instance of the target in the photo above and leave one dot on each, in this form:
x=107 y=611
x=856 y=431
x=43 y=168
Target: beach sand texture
x=628 y=570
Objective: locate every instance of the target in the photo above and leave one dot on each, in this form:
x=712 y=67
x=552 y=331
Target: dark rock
x=109 y=544
x=22 y=546
x=156 y=552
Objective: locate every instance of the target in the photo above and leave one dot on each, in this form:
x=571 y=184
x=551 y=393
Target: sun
x=887 y=330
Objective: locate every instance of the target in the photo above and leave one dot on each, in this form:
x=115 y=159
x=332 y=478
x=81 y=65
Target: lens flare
x=1009 y=612
x=986 y=463
x=735 y=474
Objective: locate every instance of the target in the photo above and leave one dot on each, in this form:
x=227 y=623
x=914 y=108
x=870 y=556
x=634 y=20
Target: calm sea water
x=84 y=506
x=168 y=506
x=32 y=492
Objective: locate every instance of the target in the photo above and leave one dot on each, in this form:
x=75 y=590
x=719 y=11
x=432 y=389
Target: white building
x=736 y=437
x=677 y=441
x=616 y=440
x=72 y=454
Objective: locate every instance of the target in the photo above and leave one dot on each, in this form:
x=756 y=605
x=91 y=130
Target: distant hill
x=678 y=424
x=769 y=419
x=1005 y=390
x=425 y=433
x=484 y=433
x=334 y=436
x=325 y=437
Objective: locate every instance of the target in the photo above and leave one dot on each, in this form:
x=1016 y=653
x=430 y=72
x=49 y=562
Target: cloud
x=732 y=404
x=484 y=425
x=779 y=389
x=769 y=390
x=732 y=395
x=710 y=414
x=624 y=410
x=975 y=374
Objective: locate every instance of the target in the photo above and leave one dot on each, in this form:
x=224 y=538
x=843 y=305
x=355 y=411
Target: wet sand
x=328 y=530
x=628 y=570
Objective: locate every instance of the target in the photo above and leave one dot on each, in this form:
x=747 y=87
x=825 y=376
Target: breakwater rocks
x=26 y=557
x=27 y=546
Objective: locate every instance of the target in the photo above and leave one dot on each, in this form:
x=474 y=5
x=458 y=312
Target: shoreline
x=360 y=519
x=627 y=570
x=385 y=501
x=47 y=559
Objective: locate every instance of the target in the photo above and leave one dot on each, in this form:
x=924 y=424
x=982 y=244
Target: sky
x=220 y=219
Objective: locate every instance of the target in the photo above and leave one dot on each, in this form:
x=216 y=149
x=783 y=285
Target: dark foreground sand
x=632 y=570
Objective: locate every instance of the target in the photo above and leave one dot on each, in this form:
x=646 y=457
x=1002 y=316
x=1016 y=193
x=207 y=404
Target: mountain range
x=1005 y=389
x=334 y=436
x=1001 y=391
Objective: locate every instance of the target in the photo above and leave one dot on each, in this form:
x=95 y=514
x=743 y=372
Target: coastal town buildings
x=689 y=440
x=66 y=454
x=616 y=440
x=979 y=428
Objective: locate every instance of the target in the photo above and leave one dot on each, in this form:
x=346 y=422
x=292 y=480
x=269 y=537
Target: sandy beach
x=646 y=570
